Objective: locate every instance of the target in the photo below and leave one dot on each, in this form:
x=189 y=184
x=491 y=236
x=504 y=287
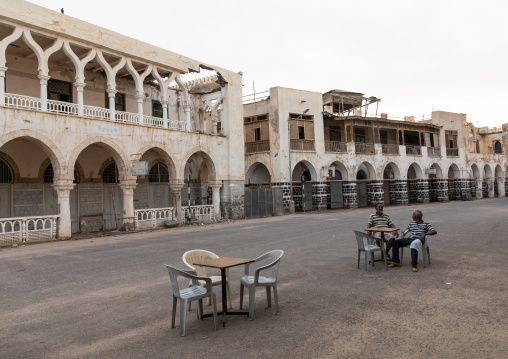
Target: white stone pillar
x=500 y=188
x=490 y=187
x=128 y=199
x=3 y=70
x=139 y=98
x=216 y=186
x=186 y=108
x=214 y=127
x=176 y=188
x=44 y=91
x=479 y=188
x=79 y=90
x=165 y=113
x=64 y=210
x=112 y=109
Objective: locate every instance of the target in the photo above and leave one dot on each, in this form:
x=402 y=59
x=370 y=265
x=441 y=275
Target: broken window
x=301 y=132
x=59 y=90
x=411 y=138
x=157 y=109
x=257 y=134
x=119 y=101
x=497 y=148
x=451 y=139
x=359 y=135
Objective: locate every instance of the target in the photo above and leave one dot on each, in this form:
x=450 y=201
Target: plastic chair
x=425 y=250
x=200 y=255
x=366 y=244
x=187 y=295
x=251 y=282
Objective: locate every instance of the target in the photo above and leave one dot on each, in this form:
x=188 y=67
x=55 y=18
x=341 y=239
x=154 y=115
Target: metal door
x=307 y=196
x=336 y=195
x=158 y=195
x=386 y=185
x=73 y=199
x=5 y=201
x=108 y=208
x=361 y=188
x=50 y=200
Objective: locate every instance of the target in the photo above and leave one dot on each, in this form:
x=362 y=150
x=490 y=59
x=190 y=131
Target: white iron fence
x=203 y=213
x=152 y=217
x=27 y=229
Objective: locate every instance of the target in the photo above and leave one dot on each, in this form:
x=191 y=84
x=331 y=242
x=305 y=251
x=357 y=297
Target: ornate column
x=79 y=90
x=165 y=113
x=176 y=188
x=500 y=187
x=186 y=108
x=63 y=191
x=139 y=98
x=112 y=107
x=3 y=70
x=128 y=198
x=216 y=186
x=479 y=188
x=44 y=91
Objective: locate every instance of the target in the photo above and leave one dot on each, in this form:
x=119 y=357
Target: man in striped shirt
x=419 y=230
x=382 y=220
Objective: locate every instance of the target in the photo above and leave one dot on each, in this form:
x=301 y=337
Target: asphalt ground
x=111 y=297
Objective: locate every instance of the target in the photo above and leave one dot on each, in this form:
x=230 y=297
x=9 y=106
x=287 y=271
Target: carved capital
x=63 y=190
x=44 y=79
x=111 y=92
x=176 y=185
x=79 y=85
x=215 y=185
x=139 y=97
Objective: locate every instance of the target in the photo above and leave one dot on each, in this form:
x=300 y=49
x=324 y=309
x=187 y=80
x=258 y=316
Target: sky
x=416 y=56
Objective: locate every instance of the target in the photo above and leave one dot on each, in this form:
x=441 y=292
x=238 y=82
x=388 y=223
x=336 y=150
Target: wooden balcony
x=390 y=149
x=365 y=148
x=434 y=151
x=413 y=150
x=302 y=145
x=257 y=146
x=335 y=146
x=452 y=152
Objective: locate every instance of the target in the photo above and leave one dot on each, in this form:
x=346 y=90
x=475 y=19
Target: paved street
x=110 y=297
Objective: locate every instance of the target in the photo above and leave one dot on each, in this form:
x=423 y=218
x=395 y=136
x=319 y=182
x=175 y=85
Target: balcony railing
x=257 y=146
x=203 y=213
x=413 y=150
x=434 y=151
x=152 y=217
x=390 y=149
x=493 y=151
x=335 y=146
x=27 y=229
x=34 y=103
x=452 y=152
x=366 y=148
x=302 y=145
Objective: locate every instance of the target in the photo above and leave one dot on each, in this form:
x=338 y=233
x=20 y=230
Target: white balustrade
x=62 y=107
x=202 y=213
x=34 y=103
x=27 y=229
x=152 y=217
x=24 y=102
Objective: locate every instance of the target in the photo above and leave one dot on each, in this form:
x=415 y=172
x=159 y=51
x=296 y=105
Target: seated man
x=379 y=219
x=419 y=230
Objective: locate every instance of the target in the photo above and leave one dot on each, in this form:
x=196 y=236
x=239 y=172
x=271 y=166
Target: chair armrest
x=258 y=270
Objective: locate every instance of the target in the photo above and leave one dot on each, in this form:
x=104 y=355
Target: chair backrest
x=275 y=256
x=362 y=239
x=174 y=273
x=197 y=255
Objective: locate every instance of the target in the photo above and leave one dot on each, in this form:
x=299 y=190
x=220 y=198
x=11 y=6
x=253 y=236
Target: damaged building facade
x=344 y=155
x=81 y=105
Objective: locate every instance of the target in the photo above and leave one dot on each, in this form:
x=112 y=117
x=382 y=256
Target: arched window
x=110 y=174
x=497 y=147
x=5 y=173
x=158 y=173
x=48 y=174
x=76 y=176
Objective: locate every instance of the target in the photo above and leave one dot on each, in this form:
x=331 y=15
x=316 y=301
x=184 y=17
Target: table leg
x=224 y=296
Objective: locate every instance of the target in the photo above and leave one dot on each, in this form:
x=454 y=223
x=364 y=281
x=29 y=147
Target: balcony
x=452 y=152
x=257 y=146
x=335 y=146
x=34 y=103
x=390 y=149
x=413 y=150
x=434 y=151
x=302 y=145
x=365 y=148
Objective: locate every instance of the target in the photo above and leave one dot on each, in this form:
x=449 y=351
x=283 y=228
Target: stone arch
x=207 y=160
x=258 y=173
x=118 y=155
x=42 y=141
x=340 y=170
x=368 y=169
x=393 y=169
x=498 y=172
x=453 y=171
x=498 y=148
x=301 y=168
x=474 y=173
x=487 y=172
x=439 y=172
x=414 y=171
x=158 y=148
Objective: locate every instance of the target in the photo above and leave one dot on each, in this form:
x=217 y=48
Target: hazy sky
x=414 y=55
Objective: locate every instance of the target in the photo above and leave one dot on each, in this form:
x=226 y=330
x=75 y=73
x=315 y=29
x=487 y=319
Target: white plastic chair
x=187 y=295
x=200 y=255
x=425 y=250
x=251 y=282
x=366 y=244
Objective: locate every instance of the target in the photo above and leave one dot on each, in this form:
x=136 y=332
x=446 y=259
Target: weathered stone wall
x=232 y=199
